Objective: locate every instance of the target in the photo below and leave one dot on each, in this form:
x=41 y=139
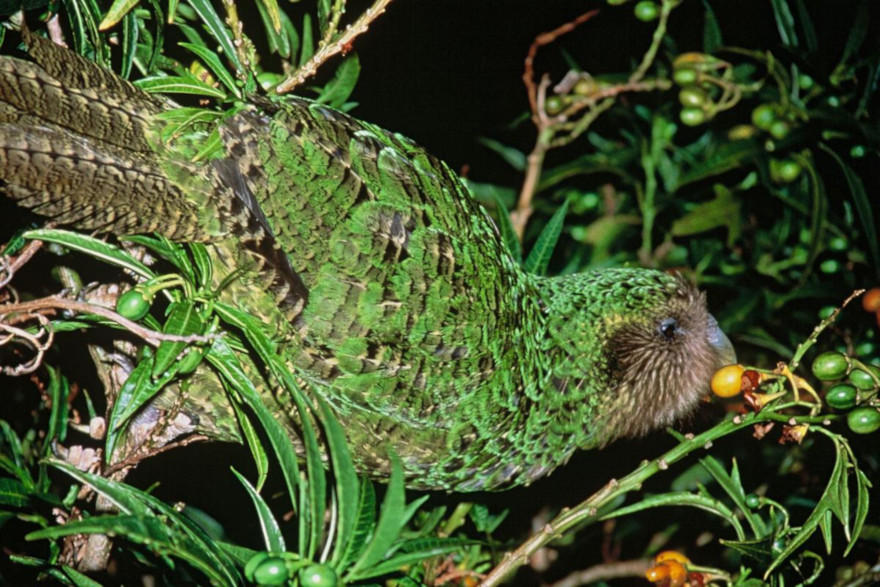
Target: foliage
x=745 y=168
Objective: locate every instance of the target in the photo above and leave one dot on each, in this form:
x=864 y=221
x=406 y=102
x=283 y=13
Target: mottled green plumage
x=386 y=283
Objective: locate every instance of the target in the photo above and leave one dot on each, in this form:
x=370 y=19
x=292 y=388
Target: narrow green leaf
x=514 y=157
x=539 y=256
x=130 y=34
x=702 y=502
x=785 y=23
x=223 y=359
x=340 y=87
x=389 y=525
x=857 y=35
x=712 y=38
x=13 y=493
x=118 y=10
x=212 y=61
x=818 y=211
x=810 y=39
x=278 y=40
x=218 y=30
x=204 y=266
x=134 y=394
x=271 y=8
x=864 y=204
x=272 y=537
x=363 y=526
x=508 y=232
x=179 y=84
x=731 y=485
x=421 y=552
x=346 y=481
x=324 y=9
x=863 y=498
x=58 y=390
x=183 y=320
x=93 y=247
x=308 y=42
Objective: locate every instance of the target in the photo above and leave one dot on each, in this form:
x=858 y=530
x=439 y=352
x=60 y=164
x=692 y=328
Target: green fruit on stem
x=779 y=129
x=842 y=396
x=864 y=420
x=318 y=576
x=554 y=105
x=133 y=304
x=693 y=97
x=692 y=116
x=862 y=379
x=830 y=366
x=646 y=10
x=685 y=76
x=763 y=116
x=272 y=571
x=784 y=170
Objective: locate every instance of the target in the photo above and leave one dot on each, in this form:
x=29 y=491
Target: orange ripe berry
x=671 y=555
x=677 y=573
x=727 y=381
x=871 y=300
x=658 y=573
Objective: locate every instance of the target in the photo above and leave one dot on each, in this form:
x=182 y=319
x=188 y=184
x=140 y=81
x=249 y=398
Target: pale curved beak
x=719 y=341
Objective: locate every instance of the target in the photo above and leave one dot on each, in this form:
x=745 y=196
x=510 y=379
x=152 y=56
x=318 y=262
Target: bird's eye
x=668 y=328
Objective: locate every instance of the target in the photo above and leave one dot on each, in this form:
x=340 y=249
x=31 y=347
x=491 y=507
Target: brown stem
x=605 y=571
x=51 y=303
x=342 y=45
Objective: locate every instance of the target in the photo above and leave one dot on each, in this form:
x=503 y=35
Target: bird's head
x=639 y=345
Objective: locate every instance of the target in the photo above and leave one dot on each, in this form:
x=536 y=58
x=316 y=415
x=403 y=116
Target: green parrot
x=386 y=284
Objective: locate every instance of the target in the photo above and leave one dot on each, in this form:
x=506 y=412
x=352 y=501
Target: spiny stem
x=329 y=50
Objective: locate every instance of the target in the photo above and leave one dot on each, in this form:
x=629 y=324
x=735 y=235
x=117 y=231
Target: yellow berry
x=727 y=381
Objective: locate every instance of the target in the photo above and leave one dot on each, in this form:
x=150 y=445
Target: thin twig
x=605 y=571
x=150 y=336
x=541 y=40
x=341 y=45
x=13 y=264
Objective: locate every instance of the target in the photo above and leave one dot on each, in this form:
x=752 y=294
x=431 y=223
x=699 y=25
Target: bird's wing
x=411 y=297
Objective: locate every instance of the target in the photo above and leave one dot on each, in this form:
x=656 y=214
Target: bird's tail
x=79 y=146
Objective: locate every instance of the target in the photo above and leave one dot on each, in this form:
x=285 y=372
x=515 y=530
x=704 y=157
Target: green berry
x=255 y=561
x=830 y=366
x=829 y=266
x=805 y=82
x=826 y=312
x=838 y=243
x=692 y=116
x=752 y=501
x=779 y=129
x=763 y=116
x=554 y=105
x=271 y=571
x=864 y=420
x=684 y=76
x=842 y=396
x=318 y=576
x=784 y=170
x=862 y=379
x=857 y=152
x=693 y=97
x=133 y=304
x=584 y=87
x=646 y=10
